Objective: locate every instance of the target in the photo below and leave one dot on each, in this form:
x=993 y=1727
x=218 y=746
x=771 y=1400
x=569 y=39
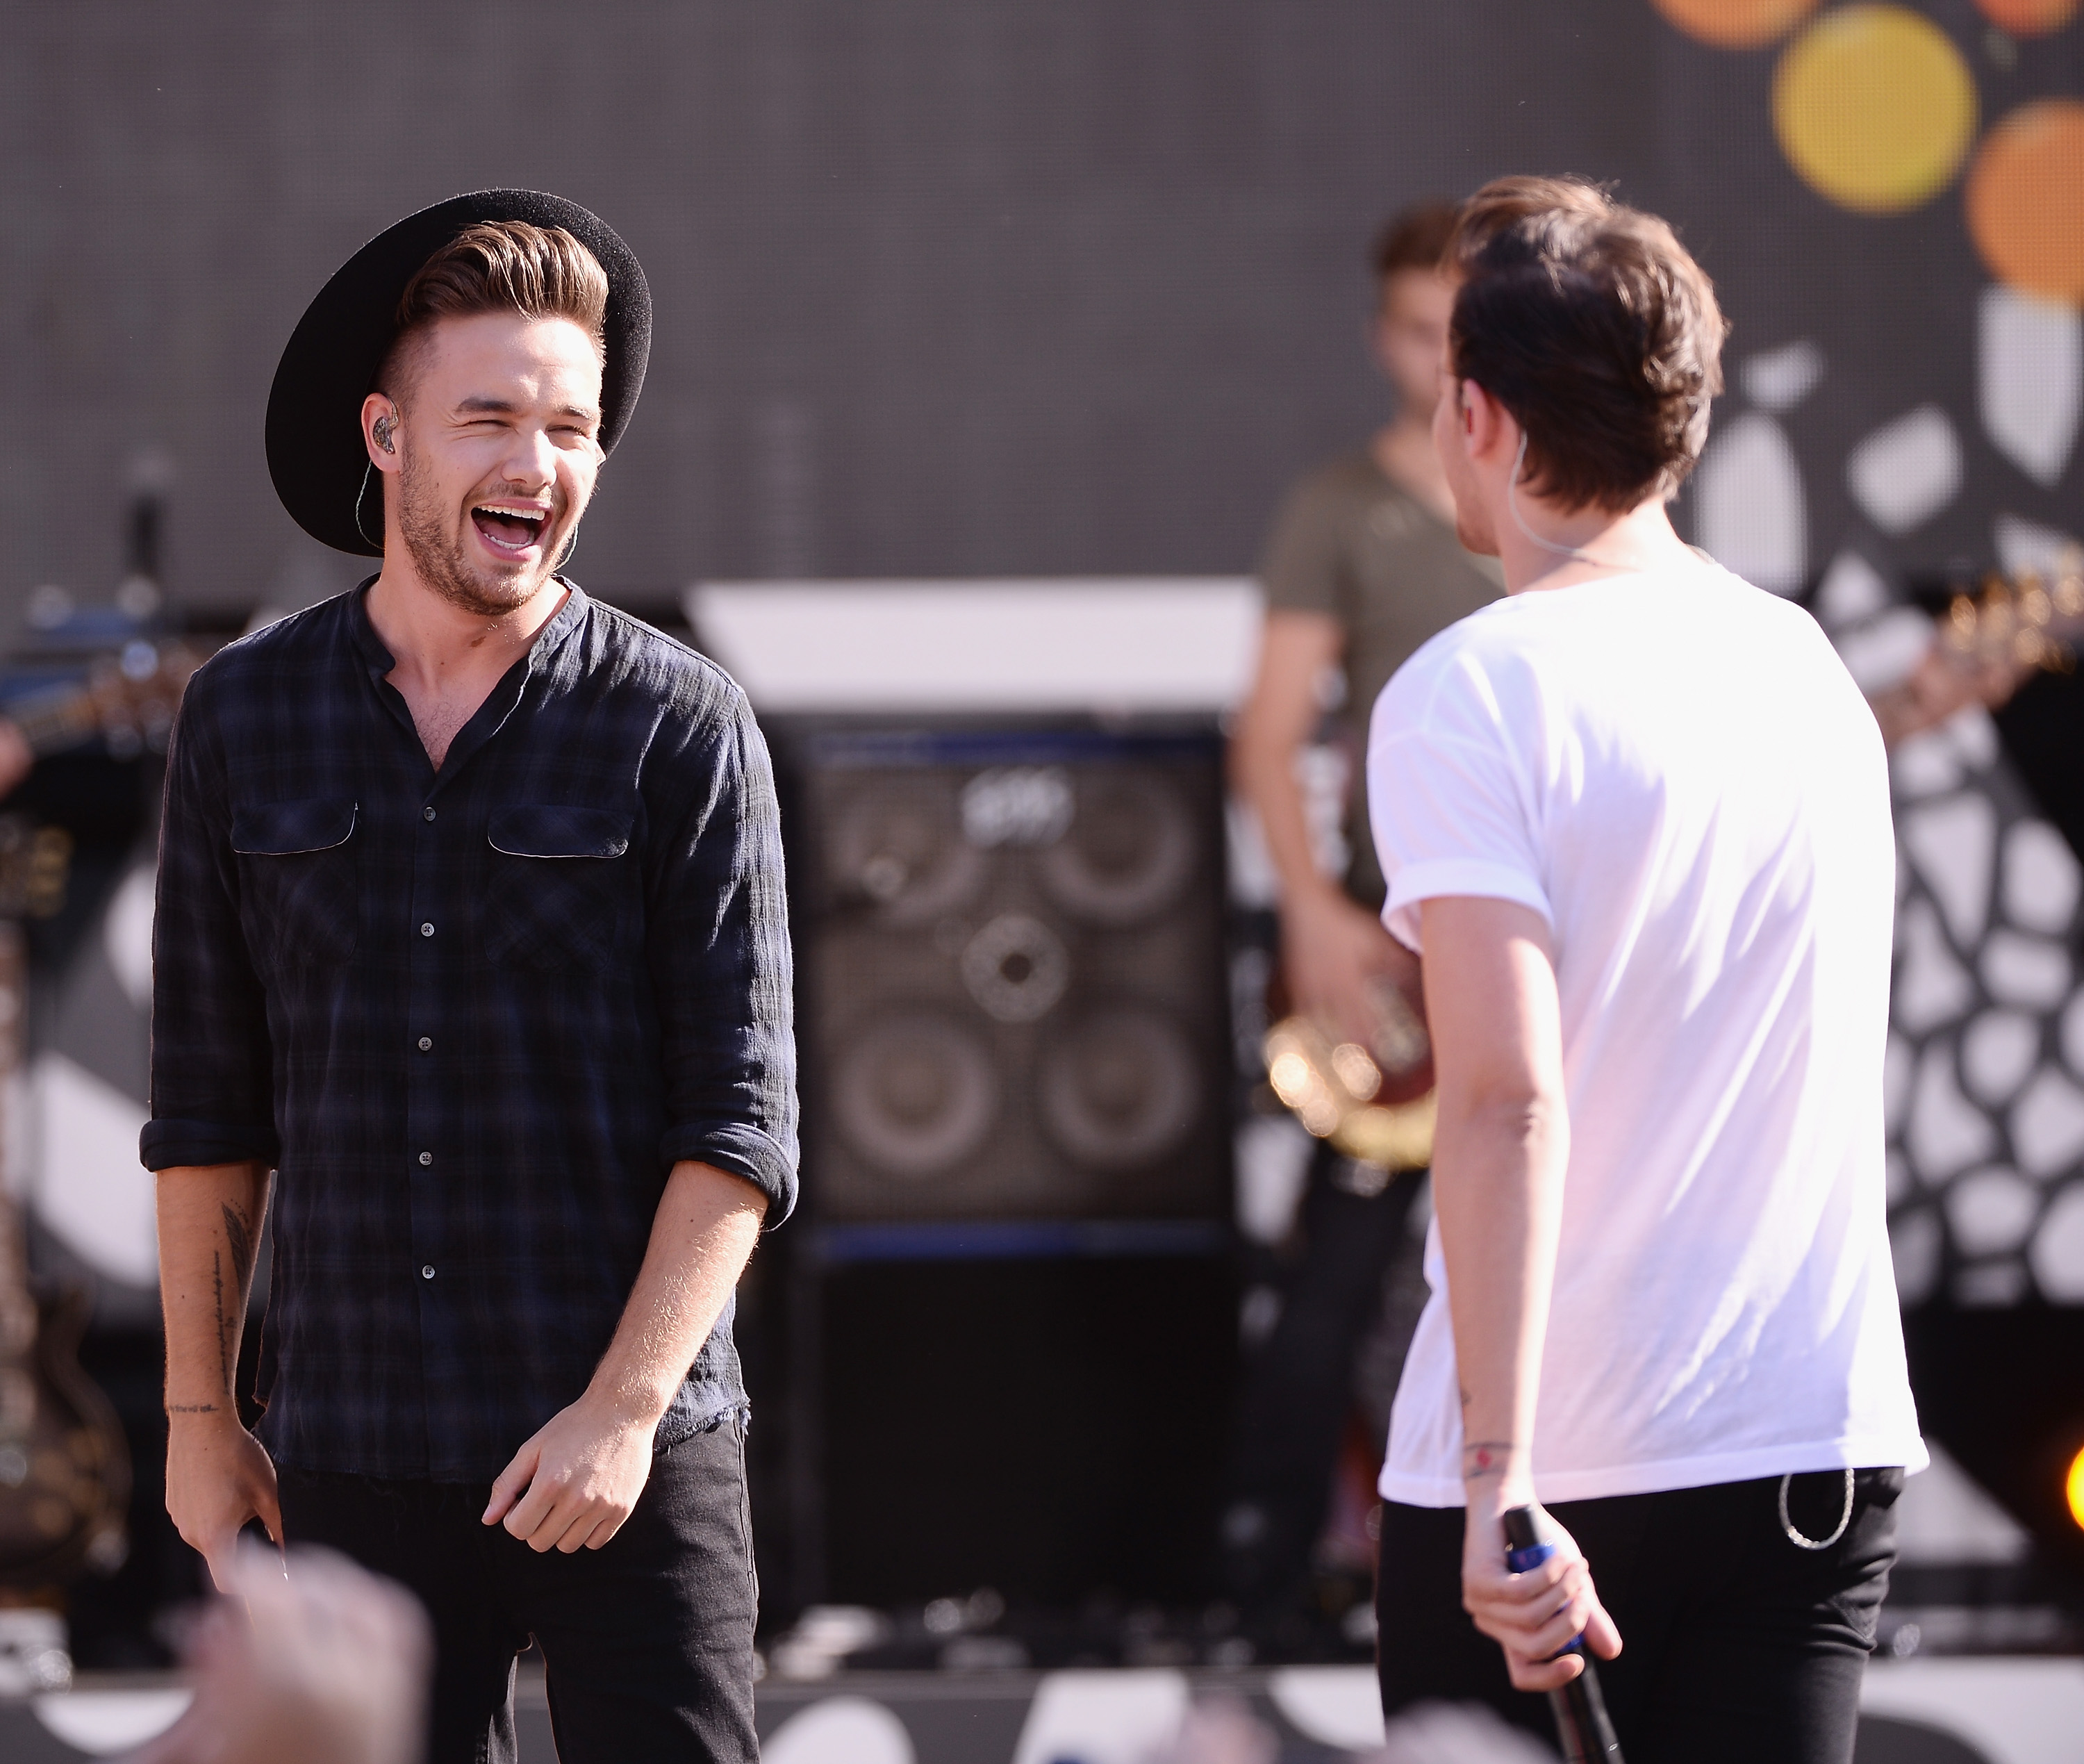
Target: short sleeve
x=1301 y=569
x=1449 y=800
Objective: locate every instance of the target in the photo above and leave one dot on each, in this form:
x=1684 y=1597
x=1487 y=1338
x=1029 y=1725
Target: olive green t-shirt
x=1353 y=543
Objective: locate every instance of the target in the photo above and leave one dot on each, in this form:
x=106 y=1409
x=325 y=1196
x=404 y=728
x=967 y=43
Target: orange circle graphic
x=1743 y=24
x=2025 y=199
x=2028 y=18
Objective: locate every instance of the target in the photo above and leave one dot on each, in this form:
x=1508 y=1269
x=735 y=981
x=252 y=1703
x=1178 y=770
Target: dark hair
x=500 y=266
x=1592 y=325
x=1414 y=238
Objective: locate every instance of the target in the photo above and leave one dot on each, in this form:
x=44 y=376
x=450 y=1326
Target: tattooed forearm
x=239 y=1233
x=1482 y=1459
x=226 y=1318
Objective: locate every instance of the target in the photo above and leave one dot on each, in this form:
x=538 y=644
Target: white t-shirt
x=1677 y=772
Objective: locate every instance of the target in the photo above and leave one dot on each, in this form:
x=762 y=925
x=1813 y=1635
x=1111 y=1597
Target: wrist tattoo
x=191 y=1408
x=1483 y=1458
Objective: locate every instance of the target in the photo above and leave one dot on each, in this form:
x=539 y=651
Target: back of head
x=1590 y=323
x=497 y=266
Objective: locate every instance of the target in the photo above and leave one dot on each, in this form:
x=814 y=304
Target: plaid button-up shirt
x=472 y=1018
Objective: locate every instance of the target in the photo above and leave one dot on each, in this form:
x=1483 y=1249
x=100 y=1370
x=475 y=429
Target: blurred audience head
x=1456 y=1734
x=1223 y=1730
x=320 y=1664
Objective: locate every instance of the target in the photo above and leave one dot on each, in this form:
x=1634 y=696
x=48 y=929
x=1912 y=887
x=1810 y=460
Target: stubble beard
x=438 y=552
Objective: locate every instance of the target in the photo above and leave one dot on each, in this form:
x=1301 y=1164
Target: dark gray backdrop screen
x=944 y=287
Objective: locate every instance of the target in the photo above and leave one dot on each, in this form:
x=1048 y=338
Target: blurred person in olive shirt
x=1363 y=566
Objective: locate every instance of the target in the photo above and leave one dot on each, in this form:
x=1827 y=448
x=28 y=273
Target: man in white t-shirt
x=1635 y=818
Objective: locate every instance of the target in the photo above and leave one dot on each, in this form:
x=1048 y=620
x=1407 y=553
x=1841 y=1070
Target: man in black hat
x=471 y=932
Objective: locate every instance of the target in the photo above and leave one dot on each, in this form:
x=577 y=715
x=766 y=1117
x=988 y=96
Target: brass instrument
x=1374 y=1104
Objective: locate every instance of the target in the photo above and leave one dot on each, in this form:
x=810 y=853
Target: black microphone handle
x=1579 y=1707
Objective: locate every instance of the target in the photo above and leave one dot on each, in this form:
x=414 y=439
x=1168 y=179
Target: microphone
x=1580 y=1710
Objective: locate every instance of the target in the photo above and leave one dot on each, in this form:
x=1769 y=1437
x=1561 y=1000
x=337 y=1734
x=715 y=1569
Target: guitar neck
x=56 y=719
x=17 y=1306
x=2020 y=622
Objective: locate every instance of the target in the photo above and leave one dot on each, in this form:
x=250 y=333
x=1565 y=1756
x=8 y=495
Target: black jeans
x=647 y=1640
x=1738 y=1646
x=1299 y=1388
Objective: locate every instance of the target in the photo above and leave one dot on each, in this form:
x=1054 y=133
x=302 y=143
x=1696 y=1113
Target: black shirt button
x=427 y=930
x=427 y=1271
x=426 y=1158
x=426 y=1041
x=427 y=813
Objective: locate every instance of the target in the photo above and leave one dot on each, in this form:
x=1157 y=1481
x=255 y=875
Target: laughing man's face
x=498 y=455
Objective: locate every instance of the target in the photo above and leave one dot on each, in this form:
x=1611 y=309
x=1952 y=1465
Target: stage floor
x=1981 y=1710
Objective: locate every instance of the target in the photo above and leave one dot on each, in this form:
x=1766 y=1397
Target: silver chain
x=1794 y=1536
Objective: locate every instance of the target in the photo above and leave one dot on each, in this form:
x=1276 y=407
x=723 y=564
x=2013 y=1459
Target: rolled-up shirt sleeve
x=1449 y=801
x=212 y=1085
x=718 y=944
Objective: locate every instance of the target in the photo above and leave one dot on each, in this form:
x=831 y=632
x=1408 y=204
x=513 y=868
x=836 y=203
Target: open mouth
x=508 y=531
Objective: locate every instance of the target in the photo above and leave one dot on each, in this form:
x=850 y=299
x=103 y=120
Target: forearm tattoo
x=223 y=1318
x=1483 y=1459
x=239 y=1233
x=238 y=1239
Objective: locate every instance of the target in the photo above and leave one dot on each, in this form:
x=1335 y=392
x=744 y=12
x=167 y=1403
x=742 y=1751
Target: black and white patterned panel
x=1986 y=1047
x=1985 y=1077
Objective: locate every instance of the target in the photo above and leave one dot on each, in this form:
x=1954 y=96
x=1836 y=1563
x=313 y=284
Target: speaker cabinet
x=1010 y=1302
x=1013 y=966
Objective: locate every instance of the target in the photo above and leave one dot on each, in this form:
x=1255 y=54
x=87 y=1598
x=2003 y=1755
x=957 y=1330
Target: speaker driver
x=1129 y=851
x=1121 y=1089
x=1016 y=968
x=896 y=842
x=915 y=1094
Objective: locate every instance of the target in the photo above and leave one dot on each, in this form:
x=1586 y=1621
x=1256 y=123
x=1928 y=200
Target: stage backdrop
x=982 y=288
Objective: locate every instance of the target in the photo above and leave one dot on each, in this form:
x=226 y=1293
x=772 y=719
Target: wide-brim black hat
x=315 y=452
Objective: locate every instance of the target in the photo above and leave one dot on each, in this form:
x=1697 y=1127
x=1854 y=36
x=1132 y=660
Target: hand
x=1531 y=1616
x=574 y=1483
x=1333 y=953
x=217 y=1478
x=17 y=757
x=1941 y=685
x=326 y=1665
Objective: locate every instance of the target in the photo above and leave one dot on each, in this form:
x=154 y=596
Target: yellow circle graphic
x=1874 y=107
x=1737 y=24
x=2073 y=1488
x=2028 y=18
x=2025 y=199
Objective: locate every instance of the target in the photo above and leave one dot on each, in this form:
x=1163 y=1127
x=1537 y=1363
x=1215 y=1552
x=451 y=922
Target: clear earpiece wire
x=1518 y=520
x=376 y=540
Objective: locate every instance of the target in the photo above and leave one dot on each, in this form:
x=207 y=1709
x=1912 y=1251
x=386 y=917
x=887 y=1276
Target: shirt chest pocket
x=300 y=884
x=563 y=889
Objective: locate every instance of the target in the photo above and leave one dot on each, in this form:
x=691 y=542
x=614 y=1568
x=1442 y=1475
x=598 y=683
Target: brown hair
x=1592 y=325
x=1414 y=238
x=499 y=266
